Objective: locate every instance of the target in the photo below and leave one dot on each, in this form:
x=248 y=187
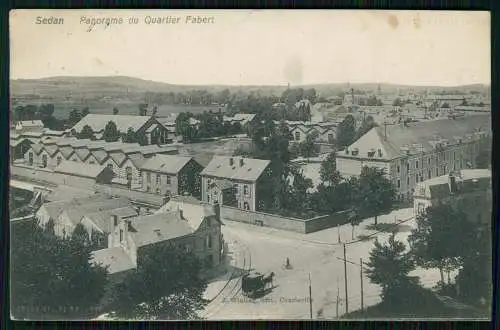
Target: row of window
x=158 y=178
x=443 y=155
x=246 y=190
x=420 y=177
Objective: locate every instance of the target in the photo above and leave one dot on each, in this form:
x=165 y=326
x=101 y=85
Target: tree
x=130 y=136
x=85 y=111
x=367 y=125
x=74 y=117
x=308 y=147
x=389 y=267
x=483 y=159
x=143 y=109
x=52 y=276
x=434 y=241
x=328 y=172
x=376 y=193
x=86 y=133
x=346 y=131
x=354 y=220
x=115 y=110
x=166 y=285
x=397 y=103
x=111 y=133
x=299 y=197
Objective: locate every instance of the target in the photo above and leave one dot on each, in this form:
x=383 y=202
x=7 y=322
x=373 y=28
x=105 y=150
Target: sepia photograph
x=250 y=165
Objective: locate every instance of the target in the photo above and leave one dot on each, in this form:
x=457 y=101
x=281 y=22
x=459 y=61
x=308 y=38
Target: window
x=157 y=179
x=209 y=241
x=128 y=170
x=245 y=189
x=168 y=179
x=148 y=177
x=121 y=235
x=398 y=169
x=44 y=161
x=408 y=167
x=429 y=174
x=59 y=160
x=429 y=160
x=30 y=159
x=157 y=191
x=91 y=162
x=408 y=180
x=416 y=164
x=454 y=155
x=297 y=136
x=330 y=138
x=437 y=171
x=246 y=206
x=110 y=166
x=399 y=183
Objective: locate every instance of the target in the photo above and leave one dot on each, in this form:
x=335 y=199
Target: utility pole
x=361 y=276
x=338 y=297
x=345 y=282
x=338 y=233
x=310 y=299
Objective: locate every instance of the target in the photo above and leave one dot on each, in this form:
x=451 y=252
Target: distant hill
x=101 y=94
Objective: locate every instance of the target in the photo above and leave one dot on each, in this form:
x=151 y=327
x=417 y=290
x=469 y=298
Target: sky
x=266 y=47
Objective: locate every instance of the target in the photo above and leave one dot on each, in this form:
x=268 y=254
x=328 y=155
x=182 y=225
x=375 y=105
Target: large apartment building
x=233 y=181
x=411 y=153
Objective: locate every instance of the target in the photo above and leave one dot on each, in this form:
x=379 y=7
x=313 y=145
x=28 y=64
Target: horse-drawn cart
x=255 y=284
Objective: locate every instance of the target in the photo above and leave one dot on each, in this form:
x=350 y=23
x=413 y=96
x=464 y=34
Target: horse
x=268 y=279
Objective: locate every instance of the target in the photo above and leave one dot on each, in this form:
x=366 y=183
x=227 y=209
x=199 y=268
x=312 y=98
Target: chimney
x=385 y=130
x=181 y=213
x=216 y=208
x=114 y=218
x=452 y=182
x=231 y=161
x=241 y=162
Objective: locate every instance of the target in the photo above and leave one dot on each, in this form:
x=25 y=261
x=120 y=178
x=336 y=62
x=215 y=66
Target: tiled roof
x=31 y=123
x=98 y=122
x=66 y=151
x=54 y=209
x=62 y=193
x=422 y=133
x=250 y=170
x=102 y=219
x=82 y=153
x=76 y=213
x=151 y=229
x=79 y=169
x=171 y=164
x=115 y=259
x=100 y=155
x=137 y=159
x=118 y=157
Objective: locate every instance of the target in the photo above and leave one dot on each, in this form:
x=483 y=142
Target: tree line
x=51 y=277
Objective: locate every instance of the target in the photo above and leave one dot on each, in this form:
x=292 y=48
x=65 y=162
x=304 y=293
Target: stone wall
x=286 y=223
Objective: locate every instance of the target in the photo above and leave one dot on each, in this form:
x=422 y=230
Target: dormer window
x=355 y=151
x=371 y=153
x=380 y=152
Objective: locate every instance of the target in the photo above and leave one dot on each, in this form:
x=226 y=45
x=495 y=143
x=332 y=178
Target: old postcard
x=243 y=165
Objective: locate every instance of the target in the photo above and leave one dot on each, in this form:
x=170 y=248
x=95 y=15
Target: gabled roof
x=80 y=169
x=392 y=139
x=118 y=157
x=115 y=259
x=31 y=123
x=37 y=148
x=82 y=153
x=102 y=219
x=100 y=155
x=137 y=159
x=221 y=167
x=75 y=213
x=98 y=122
x=170 y=164
x=54 y=209
x=160 y=227
x=193 y=210
x=66 y=151
x=63 y=193
x=51 y=149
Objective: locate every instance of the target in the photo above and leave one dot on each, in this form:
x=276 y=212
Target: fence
x=280 y=222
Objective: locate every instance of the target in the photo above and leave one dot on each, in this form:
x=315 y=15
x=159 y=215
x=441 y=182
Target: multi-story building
x=170 y=175
x=183 y=222
x=411 y=153
x=234 y=181
x=125 y=159
x=143 y=126
x=469 y=189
